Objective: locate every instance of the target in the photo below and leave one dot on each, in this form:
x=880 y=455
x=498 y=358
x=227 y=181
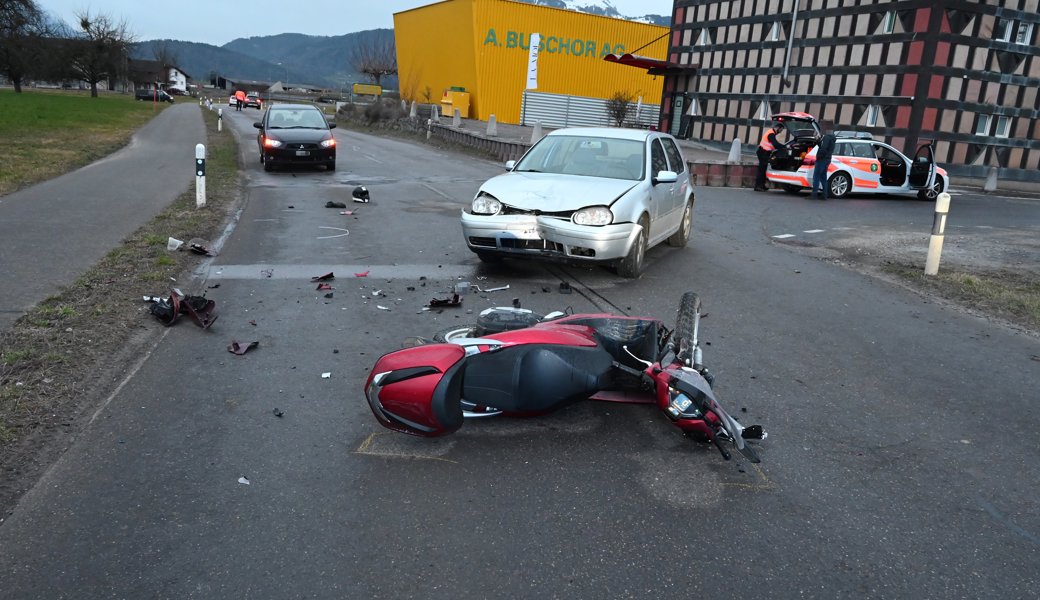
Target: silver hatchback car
x=588 y=195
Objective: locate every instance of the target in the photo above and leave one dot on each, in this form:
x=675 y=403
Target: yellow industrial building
x=481 y=48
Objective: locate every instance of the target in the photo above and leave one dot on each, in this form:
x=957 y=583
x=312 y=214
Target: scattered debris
x=497 y=289
x=173 y=244
x=324 y=286
x=455 y=300
x=360 y=194
x=462 y=288
x=326 y=277
x=277 y=412
x=565 y=288
x=213 y=287
x=380 y=307
x=243 y=480
x=326 y=375
x=240 y=348
x=516 y=303
x=266 y=273
x=252 y=322
x=200 y=246
x=362 y=274
x=200 y=309
x=346 y=212
x=331 y=204
x=329 y=295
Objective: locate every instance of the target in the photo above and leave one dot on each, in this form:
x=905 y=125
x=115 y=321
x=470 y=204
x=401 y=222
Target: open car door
x=922 y=170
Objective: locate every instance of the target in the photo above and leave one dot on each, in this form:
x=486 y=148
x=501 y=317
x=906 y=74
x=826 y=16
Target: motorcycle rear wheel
x=686 y=323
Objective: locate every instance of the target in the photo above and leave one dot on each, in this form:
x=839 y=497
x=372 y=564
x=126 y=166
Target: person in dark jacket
x=824 y=153
x=766 y=146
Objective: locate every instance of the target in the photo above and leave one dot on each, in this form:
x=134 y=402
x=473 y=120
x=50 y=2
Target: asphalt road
x=72 y=221
x=901 y=461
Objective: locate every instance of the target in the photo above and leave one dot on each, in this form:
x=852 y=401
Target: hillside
x=310 y=59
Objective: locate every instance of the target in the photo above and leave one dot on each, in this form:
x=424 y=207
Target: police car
x=860 y=164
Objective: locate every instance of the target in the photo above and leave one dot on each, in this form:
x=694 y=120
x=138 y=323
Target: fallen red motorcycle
x=515 y=362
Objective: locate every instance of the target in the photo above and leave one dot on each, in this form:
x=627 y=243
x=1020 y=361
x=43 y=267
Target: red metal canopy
x=653 y=66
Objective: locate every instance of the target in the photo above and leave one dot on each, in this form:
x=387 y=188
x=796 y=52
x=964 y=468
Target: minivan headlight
x=593 y=215
x=329 y=143
x=486 y=205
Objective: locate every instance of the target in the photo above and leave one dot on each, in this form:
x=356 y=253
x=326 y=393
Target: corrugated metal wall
x=555 y=110
x=495 y=35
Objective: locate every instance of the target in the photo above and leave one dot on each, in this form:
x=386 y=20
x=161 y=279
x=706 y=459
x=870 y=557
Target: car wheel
x=792 y=189
x=631 y=266
x=682 y=235
x=489 y=258
x=840 y=185
x=268 y=166
x=933 y=192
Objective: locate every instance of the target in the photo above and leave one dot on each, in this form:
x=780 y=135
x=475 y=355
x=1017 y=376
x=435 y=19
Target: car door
x=660 y=194
x=677 y=165
x=922 y=169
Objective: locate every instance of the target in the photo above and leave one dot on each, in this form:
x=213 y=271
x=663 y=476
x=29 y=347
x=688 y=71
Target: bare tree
x=23 y=27
x=103 y=48
x=375 y=55
x=618 y=105
x=165 y=55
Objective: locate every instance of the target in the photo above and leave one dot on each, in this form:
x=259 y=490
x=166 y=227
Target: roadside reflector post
x=200 y=175
x=220 y=120
x=935 y=244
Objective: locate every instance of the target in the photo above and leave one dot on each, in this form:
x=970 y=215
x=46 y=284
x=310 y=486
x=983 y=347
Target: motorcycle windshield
x=697 y=389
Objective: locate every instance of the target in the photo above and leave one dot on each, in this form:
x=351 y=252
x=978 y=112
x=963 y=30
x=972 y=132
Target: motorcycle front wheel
x=686 y=324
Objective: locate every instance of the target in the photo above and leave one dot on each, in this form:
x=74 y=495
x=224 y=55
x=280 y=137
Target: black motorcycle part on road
x=535 y=377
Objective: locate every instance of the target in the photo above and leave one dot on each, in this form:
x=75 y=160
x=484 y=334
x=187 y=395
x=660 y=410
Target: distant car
x=593 y=195
x=253 y=100
x=153 y=95
x=859 y=163
x=295 y=134
x=232 y=101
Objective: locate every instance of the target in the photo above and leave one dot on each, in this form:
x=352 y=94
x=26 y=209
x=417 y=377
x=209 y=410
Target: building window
x=1002 y=32
x=983 y=127
x=774 y=33
x=763 y=111
x=1024 y=34
x=872 y=115
x=890 y=22
x=703 y=40
x=1003 y=127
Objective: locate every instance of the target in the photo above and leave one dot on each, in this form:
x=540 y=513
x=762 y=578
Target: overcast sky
x=218 y=22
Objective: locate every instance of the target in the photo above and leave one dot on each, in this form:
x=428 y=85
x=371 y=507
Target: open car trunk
x=802 y=135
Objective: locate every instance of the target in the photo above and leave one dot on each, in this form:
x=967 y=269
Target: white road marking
x=814 y=231
x=436 y=191
x=345 y=233
x=373 y=159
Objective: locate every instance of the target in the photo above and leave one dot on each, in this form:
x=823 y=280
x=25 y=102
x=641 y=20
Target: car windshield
x=298 y=119
x=589 y=156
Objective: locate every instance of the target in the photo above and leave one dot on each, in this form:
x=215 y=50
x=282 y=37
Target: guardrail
x=501 y=149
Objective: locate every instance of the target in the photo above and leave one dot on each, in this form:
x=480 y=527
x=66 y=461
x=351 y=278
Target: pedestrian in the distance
x=240 y=99
x=824 y=153
x=766 y=147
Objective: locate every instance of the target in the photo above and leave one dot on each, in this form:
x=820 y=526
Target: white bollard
x=220 y=120
x=734 y=152
x=536 y=133
x=456 y=119
x=935 y=244
x=413 y=111
x=492 y=127
x=200 y=175
x=991 y=181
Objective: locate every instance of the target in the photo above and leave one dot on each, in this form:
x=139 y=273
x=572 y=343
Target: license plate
x=302 y=153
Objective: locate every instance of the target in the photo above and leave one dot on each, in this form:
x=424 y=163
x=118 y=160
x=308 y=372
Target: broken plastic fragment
x=380 y=307
x=200 y=246
x=278 y=413
x=324 y=286
x=326 y=277
x=173 y=244
x=346 y=212
x=455 y=300
x=326 y=375
x=331 y=204
x=565 y=288
x=243 y=480
x=362 y=274
x=497 y=289
x=241 y=348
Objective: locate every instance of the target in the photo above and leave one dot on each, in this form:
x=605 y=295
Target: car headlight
x=486 y=205
x=270 y=142
x=593 y=215
x=329 y=143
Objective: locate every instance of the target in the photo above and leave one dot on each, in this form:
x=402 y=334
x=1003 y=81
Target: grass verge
x=72 y=348
x=47 y=132
x=1011 y=296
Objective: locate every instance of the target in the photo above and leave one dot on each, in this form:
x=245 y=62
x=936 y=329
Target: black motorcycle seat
x=535 y=377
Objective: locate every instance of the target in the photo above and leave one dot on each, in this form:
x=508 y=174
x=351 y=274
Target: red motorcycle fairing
x=418 y=390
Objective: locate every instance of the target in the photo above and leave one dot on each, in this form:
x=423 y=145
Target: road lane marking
x=784 y=236
x=814 y=231
x=436 y=191
x=329 y=237
x=373 y=159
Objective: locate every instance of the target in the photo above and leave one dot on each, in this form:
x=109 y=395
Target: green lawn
x=47 y=133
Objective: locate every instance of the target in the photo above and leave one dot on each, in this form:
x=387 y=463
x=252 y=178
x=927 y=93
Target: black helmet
x=360 y=194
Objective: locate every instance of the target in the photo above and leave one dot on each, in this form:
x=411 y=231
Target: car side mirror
x=258 y=125
x=666 y=177
x=332 y=125
x=510 y=164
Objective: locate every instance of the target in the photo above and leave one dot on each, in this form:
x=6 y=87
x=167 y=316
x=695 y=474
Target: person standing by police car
x=766 y=146
x=824 y=153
